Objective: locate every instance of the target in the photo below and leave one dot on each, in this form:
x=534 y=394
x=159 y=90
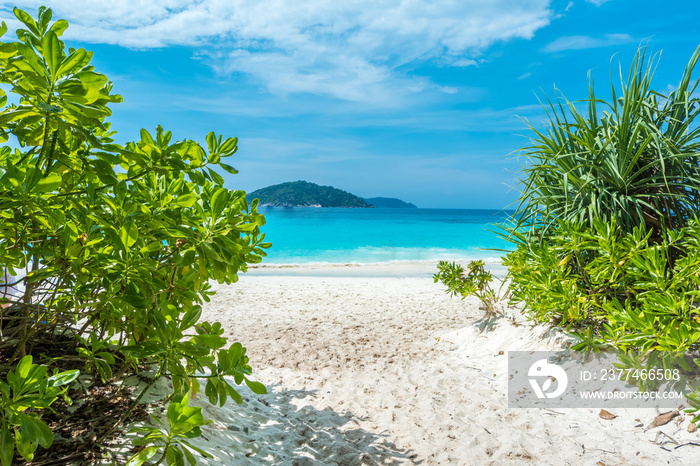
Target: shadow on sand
x=282 y=428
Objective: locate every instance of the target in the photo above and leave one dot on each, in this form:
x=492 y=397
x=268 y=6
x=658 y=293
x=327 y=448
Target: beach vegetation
x=107 y=252
x=634 y=159
x=606 y=233
x=475 y=281
x=606 y=230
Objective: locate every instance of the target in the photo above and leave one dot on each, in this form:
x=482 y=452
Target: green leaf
x=36 y=430
x=53 y=52
x=218 y=179
x=7 y=444
x=151 y=247
x=211 y=142
x=228 y=168
x=63 y=378
x=143 y=456
x=210 y=341
x=129 y=234
x=191 y=317
x=190 y=458
x=25 y=446
x=59 y=27
x=146 y=137
x=228 y=148
x=72 y=62
x=218 y=201
x=24 y=366
x=7 y=50
x=185 y=200
x=256 y=387
x=27 y=20
x=48 y=184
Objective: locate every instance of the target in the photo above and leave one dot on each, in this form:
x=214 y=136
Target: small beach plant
x=476 y=281
x=108 y=250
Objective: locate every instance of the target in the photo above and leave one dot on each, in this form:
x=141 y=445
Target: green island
x=306 y=194
x=389 y=203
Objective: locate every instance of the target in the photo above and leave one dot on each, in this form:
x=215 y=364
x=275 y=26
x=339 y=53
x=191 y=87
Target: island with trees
x=307 y=194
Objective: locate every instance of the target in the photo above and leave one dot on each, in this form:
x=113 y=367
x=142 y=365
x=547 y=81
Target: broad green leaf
x=59 y=27
x=27 y=20
x=129 y=234
x=143 y=456
x=25 y=445
x=92 y=82
x=146 y=137
x=53 y=52
x=72 y=63
x=198 y=450
x=7 y=444
x=228 y=148
x=191 y=317
x=7 y=50
x=24 y=366
x=228 y=168
x=218 y=179
x=218 y=201
x=36 y=430
x=211 y=142
x=175 y=409
x=185 y=200
x=190 y=458
x=210 y=341
x=256 y=387
x=63 y=378
x=48 y=184
x=151 y=247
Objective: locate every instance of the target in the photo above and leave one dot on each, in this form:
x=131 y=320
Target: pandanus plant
x=635 y=159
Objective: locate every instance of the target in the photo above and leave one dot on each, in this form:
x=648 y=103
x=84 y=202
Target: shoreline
x=418 y=268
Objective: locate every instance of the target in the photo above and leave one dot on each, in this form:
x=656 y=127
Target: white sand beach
x=388 y=369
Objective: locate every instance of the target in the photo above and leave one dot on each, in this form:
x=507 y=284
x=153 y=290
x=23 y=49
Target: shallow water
x=335 y=235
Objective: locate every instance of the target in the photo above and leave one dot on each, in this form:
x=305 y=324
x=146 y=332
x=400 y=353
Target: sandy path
x=393 y=371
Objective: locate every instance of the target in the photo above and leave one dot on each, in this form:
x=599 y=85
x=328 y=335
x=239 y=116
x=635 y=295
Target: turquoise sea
x=306 y=235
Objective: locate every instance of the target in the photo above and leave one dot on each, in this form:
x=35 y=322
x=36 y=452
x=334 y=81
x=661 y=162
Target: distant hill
x=389 y=202
x=305 y=194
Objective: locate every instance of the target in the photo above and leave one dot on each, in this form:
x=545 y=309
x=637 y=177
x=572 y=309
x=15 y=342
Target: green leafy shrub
x=475 y=282
x=613 y=290
x=634 y=159
x=183 y=422
x=28 y=388
x=605 y=232
x=118 y=243
x=606 y=235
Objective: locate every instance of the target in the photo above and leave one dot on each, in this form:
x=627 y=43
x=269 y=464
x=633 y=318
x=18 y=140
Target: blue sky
x=411 y=99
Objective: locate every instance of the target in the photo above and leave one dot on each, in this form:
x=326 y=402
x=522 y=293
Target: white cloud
x=349 y=50
x=586 y=42
x=524 y=75
x=597 y=2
